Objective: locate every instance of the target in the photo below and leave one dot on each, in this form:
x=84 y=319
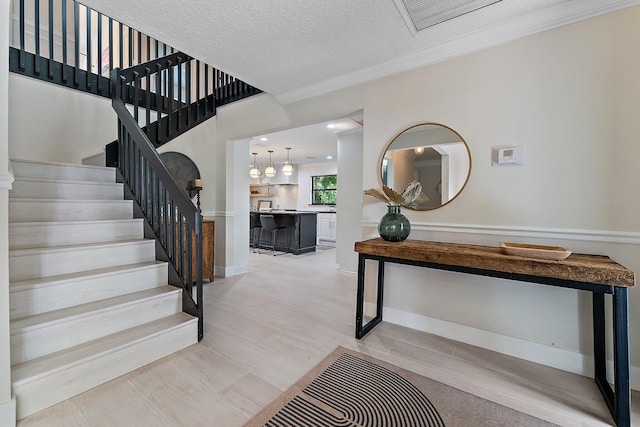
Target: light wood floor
x=267 y=328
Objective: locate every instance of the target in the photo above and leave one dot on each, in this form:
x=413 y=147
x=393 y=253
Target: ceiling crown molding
x=553 y=17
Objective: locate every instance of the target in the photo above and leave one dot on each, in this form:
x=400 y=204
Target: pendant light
x=270 y=170
x=287 y=168
x=254 y=172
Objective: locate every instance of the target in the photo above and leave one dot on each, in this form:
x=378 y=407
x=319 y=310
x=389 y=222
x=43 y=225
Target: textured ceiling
x=296 y=49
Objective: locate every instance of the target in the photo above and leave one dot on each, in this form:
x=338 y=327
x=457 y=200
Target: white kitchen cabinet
x=327 y=226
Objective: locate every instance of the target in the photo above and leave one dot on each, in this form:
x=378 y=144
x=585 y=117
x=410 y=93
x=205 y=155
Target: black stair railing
x=171 y=216
x=68 y=43
x=175 y=93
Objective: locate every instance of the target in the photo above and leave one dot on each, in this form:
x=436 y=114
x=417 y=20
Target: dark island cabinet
x=301 y=231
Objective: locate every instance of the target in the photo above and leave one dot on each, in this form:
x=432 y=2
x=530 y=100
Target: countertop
x=286 y=212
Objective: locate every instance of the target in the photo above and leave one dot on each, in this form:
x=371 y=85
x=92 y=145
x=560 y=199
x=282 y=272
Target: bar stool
x=254 y=227
x=268 y=223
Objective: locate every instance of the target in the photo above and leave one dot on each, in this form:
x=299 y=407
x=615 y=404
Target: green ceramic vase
x=394 y=227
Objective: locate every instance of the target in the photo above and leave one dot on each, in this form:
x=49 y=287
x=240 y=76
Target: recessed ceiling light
x=331 y=126
x=264 y=138
x=329 y=157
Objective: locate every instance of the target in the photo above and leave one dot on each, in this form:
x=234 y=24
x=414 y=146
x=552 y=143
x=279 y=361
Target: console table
x=597 y=274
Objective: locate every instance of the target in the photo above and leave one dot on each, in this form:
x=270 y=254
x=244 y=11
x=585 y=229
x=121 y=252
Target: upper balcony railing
x=68 y=43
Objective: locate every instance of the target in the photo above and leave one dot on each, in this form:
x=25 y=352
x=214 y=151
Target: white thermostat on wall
x=508 y=155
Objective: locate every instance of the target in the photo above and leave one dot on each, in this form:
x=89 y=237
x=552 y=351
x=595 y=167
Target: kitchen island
x=301 y=229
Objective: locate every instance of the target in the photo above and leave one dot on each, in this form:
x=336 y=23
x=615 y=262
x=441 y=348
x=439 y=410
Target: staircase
x=88 y=300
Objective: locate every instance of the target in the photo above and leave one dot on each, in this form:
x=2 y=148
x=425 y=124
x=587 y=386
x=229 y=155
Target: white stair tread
x=47 y=234
x=25 y=285
x=76 y=222
x=91 y=308
x=70 y=165
x=66 y=181
x=82 y=246
x=34 y=369
x=37 y=199
x=43 y=169
x=74 y=189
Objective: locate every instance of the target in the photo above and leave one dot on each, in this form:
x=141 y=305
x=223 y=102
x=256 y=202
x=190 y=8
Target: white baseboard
x=8 y=413
x=220 y=271
x=528 y=350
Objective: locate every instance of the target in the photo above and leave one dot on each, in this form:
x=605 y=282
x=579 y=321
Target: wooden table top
x=596 y=269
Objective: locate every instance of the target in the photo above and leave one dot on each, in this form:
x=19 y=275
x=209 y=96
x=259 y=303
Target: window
x=324 y=189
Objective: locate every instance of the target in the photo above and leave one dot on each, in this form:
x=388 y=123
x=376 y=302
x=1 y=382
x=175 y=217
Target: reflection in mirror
x=432 y=154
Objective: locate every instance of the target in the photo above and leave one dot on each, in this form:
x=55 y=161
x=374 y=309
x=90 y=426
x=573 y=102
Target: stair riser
x=42 y=235
x=51 y=262
x=63 y=172
x=36 y=395
x=28 y=189
x=69 y=293
x=32 y=342
x=42 y=211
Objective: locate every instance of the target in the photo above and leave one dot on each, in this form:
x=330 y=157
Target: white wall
x=7 y=402
x=53 y=123
x=569 y=96
x=349 y=200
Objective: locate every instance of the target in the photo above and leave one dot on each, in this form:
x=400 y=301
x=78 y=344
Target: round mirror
x=434 y=155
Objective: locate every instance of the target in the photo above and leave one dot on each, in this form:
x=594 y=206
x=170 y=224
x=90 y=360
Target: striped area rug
x=351 y=389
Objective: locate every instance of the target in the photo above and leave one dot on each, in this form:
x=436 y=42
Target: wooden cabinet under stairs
x=208 y=245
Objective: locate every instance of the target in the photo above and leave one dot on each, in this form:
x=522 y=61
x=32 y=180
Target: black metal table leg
x=360 y=296
x=599 y=349
x=621 y=364
x=380 y=292
x=362 y=330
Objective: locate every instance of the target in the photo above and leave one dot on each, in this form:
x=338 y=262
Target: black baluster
x=139 y=48
x=159 y=102
x=130 y=46
x=197 y=89
x=110 y=46
x=148 y=98
x=64 y=40
x=136 y=94
x=76 y=42
x=51 y=53
x=99 y=73
x=179 y=69
x=120 y=45
x=189 y=260
x=181 y=246
x=170 y=98
x=188 y=90
x=36 y=31
x=206 y=89
x=22 y=31
x=88 y=36
x=173 y=230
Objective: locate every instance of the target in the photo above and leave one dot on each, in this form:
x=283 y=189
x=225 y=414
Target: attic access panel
x=421 y=14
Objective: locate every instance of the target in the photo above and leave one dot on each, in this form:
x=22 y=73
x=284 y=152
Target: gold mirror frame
x=433 y=145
